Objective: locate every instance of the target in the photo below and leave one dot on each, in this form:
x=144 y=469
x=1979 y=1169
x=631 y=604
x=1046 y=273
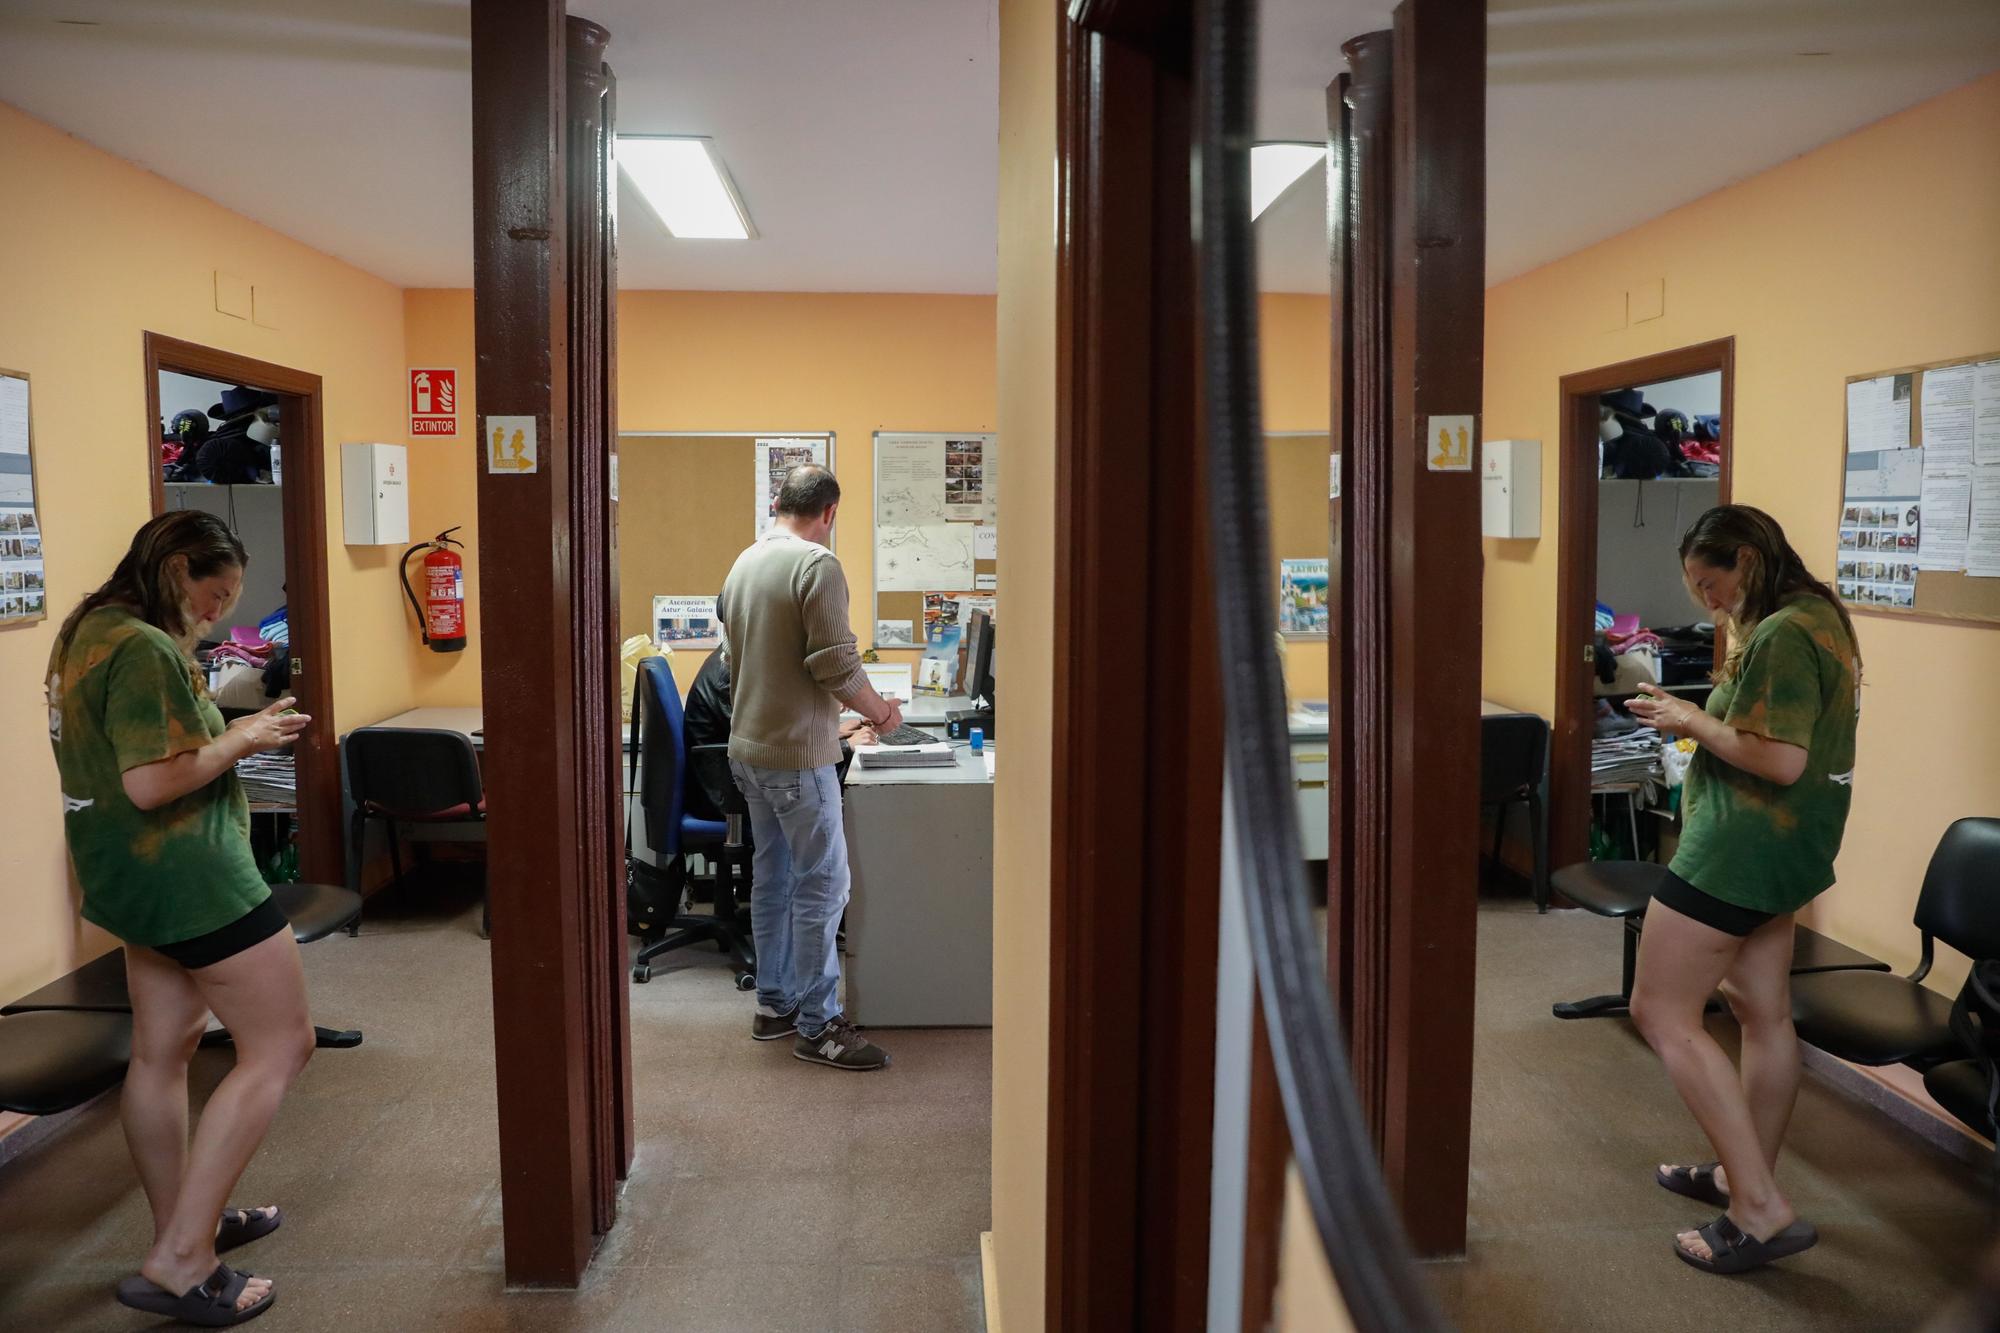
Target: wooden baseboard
x=989 y=1277
x=1904 y=1101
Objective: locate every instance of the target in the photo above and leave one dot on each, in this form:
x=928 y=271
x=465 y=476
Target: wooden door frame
x=302 y=500
x=1576 y=565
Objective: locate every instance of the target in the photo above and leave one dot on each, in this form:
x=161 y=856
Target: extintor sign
x=433 y=401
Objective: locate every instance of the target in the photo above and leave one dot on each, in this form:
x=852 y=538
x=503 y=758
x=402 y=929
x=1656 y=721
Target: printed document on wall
x=1947 y=506
x=1982 y=538
x=772 y=460
x=1878 y=414
x=918 y=546
x=1948 y=419
x=1986 y=413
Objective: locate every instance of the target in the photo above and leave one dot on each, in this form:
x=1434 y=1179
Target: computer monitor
x=979 y=656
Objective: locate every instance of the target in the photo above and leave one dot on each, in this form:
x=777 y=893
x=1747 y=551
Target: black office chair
x=410 y=775
x=658 y=909
x=1878 y=1018
x=1513 y=755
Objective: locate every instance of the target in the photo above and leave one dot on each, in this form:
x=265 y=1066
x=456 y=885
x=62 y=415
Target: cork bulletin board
x=686 y=509
x=1873 y=404
x=1296 y=481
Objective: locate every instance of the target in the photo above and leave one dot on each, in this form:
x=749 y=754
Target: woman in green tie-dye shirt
x=159 y=833
x=1763 y=811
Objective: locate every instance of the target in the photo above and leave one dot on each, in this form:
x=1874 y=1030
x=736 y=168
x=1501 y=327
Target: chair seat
x=54 y=1060
x=98 y=986
x=1609 y=888
x=695 y=832
x=316 y=910
x=1814 y=952
x=1871 y=1018
x=1960 y=1088
x=449 y=815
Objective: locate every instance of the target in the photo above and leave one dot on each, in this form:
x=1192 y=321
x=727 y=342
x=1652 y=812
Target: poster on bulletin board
x=1302 y=604
x=686 y=622
x=23 y=588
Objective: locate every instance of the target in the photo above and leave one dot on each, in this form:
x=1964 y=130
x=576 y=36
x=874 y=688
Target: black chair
x=1513 y=756
x=1970 y=1089
x=51 y=1060
x=658 y=910
x=1622 y=890
x=410 y=775
x=1876 y=1018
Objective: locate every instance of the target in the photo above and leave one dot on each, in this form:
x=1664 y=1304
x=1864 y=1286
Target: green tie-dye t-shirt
x=1756 y=843
x=121 y=697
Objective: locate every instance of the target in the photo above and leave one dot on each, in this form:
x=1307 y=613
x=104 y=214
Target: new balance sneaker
x=841 y=1045
x=770 y=1027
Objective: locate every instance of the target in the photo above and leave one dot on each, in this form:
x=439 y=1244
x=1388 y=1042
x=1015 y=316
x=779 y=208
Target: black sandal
x=1693 y=1182
x=1731 y=1250
x=240 y=1226
x=212 y=1304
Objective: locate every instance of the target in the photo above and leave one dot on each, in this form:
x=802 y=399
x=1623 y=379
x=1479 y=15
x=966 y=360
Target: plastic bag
x=635 y=650
x=1675 y=756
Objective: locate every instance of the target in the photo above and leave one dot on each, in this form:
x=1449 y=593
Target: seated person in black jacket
x=706 y=717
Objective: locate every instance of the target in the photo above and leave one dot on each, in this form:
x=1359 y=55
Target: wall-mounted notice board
x=24 y=596
x=937 y=533
x=1919 y=527
x=688 y=503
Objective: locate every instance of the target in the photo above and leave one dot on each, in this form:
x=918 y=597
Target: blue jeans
x=798 y=888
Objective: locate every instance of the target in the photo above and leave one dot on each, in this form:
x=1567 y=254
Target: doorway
x=1636 y=469
x=272 y=490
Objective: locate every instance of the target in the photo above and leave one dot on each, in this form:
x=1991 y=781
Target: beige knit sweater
x=792 y=655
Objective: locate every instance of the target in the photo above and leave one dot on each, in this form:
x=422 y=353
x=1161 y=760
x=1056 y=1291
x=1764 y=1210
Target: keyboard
x=905 y=735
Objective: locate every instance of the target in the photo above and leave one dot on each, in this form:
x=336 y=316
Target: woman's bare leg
x=168 y=1015
x=260 y=996
x=1681 y=961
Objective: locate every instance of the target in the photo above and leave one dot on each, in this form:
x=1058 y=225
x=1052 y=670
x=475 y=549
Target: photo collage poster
x=23 y=580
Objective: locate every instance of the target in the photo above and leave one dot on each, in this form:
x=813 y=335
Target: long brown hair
x=1729 y=536
x=145 y=580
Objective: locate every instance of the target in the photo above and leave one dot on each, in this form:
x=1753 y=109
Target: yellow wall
x=750 y=361
x=1027 y=379
x=1296 y=346
x=93 y=252
x=1875 y=251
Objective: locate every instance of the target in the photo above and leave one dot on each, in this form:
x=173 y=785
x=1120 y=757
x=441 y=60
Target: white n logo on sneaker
x=831 y=1049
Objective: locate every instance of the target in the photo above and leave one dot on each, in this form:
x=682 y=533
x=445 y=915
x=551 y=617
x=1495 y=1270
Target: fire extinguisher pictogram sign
x=433 y=401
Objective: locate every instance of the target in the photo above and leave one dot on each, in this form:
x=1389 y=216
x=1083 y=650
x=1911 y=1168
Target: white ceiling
x=863 y=133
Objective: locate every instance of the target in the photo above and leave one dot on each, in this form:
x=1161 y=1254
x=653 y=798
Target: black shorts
x=1706 y=908
x=255 y=926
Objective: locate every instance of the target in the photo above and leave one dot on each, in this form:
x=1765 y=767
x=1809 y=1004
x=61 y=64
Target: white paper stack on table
x=1631 y=757
x=936 y=755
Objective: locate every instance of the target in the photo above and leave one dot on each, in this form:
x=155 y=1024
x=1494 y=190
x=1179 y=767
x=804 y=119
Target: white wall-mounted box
x=1510 y=489
x=375 y=494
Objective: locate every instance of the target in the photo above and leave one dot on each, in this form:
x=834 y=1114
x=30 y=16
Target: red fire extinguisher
x=441 y=614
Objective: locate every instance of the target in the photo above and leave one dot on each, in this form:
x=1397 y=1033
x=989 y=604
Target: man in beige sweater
x=794 y=663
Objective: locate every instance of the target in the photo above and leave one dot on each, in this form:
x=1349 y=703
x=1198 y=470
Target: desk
x=920 y=925
x=1308 y=732
x=467 y=721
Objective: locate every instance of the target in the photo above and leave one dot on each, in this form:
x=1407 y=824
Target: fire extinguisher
x=441 y=614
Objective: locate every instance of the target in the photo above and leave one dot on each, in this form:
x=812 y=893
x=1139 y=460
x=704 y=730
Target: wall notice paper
x=23 y=595
x=1986 y=413
x=686 y=622
x=1947 y=506
x=1881 y=527
x=1982 y=538
x=1878 y=414
x=1449 y=445
x=1948 y=418
x=773 y=458
x=511 y=447
x=923 y=537
x=891 y=682
x=985 y=582
x=895 y=634
x=986 y=542
x=968 y=478
x=1302 y=607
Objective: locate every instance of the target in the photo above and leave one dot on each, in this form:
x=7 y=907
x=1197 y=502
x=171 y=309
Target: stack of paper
x=1631 y=757
x=938 y=755
x=269 y=779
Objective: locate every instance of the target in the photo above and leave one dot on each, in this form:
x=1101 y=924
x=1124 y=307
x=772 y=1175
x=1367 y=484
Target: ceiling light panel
x=683 y=181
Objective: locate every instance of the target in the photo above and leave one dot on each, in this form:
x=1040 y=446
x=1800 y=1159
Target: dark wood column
x=557 y=1040
x=593 y=323
x=1410 y=249
x=1136 y=804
